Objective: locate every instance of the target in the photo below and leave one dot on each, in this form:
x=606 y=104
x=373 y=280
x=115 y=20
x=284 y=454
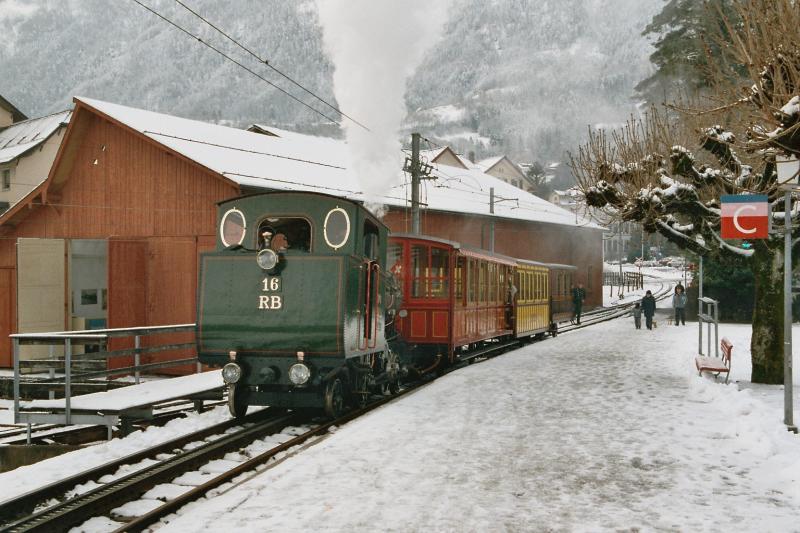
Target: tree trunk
x=766 y=344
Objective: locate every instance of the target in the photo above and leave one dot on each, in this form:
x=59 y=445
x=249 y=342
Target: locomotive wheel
x=360 y=396
x=237 y=401
x=334 y=398
x=393 y=373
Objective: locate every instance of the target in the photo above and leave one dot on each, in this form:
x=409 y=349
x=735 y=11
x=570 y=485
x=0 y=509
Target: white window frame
x=3 y=175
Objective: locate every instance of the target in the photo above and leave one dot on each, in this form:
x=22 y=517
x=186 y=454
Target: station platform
x=134 y=402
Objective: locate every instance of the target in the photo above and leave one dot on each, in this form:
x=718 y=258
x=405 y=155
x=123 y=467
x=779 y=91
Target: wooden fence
x=628 y=281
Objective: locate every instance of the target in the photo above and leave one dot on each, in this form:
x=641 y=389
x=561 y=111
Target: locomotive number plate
x=270 y=301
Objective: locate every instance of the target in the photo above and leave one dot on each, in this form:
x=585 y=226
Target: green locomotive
x=292 y=303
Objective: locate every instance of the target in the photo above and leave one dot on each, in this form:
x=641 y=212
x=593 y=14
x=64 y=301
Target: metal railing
x=628 y=281
x=100 y=337
x=709 y=314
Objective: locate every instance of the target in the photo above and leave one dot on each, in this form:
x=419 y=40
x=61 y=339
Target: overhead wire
x=245 y=150
x=270 y=65
x=430 y=142
x=234 y=61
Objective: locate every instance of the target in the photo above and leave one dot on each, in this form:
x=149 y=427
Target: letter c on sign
x=736 y=219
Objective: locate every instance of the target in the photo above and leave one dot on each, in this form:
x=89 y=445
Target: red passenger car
x=453 y=297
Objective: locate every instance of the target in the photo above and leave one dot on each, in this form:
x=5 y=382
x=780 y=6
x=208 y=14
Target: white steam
x=375 y=45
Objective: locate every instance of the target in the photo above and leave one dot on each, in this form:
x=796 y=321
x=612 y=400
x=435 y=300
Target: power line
x=268 y=64
x=187 y=139
x=232 y=60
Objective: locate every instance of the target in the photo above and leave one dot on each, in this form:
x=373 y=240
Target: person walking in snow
x=637 y=315
x=649 y=309
x=578 y=297
x=679 y=304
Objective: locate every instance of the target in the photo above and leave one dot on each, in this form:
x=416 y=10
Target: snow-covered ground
x=607 y=428
x=654 y=278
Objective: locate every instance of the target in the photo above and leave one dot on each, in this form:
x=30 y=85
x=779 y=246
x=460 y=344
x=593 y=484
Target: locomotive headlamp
x=231 y=373
x=267 y=259
x=299 y=373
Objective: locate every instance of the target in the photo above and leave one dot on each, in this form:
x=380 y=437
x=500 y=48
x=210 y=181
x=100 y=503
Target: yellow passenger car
x=532 y=309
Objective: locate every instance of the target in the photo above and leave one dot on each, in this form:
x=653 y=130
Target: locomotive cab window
x=285 y=234
x=371 y=241
x=232 y=228
x=336 y=228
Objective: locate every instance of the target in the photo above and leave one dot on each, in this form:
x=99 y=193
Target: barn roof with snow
x=285 y=160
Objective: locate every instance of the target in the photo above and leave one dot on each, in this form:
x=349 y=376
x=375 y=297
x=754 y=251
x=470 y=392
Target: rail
x=60 y=370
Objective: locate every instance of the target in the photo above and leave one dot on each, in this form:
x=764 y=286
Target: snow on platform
x=604 y=429
x=135 y=396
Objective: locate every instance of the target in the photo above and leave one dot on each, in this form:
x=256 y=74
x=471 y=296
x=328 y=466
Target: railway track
x=12 y=511
x=180 y=456
x=75 y=510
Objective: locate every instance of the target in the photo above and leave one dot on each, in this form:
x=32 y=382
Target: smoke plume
x=375 y=45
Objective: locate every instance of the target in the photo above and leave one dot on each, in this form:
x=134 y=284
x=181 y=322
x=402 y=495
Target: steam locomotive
x=309 y=302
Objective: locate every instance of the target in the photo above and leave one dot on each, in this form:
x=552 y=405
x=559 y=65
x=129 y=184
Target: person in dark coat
x=578 y=297
x=679 y=304
x=637 y=315
x=649 y=309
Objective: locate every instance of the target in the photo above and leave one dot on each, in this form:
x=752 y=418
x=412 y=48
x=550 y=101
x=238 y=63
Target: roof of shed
x=293 y=161
x=21 y=137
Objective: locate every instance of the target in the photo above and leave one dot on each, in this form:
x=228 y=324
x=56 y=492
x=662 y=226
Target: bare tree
x=644 y=172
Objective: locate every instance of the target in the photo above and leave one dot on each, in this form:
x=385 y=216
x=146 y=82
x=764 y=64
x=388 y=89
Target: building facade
x=27 y=151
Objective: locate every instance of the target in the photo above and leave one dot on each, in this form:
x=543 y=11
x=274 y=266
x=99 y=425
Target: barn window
x=6 y=178
x=285 y=234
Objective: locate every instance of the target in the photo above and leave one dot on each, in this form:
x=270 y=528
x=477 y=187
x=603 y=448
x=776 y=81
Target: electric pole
x=491 y=219
x=419 y=171
x=493 y=199
x=415 y=183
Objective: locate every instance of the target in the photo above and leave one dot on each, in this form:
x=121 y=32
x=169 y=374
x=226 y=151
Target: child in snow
x=637 y=315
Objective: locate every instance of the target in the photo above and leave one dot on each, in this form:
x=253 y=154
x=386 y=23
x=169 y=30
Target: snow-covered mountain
x=522 y=76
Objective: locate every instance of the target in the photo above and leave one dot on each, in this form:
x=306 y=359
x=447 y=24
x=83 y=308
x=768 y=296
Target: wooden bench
x=716 y=364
